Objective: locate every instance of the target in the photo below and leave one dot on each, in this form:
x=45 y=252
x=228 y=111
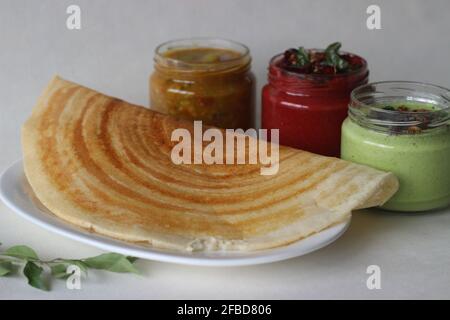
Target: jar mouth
x=274 y=64
x=425 y=106
x=240 y=60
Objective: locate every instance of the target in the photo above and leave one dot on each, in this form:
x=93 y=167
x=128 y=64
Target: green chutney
x=413 y=146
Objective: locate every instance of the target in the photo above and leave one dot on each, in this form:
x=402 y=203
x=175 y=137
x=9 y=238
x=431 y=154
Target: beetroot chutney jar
x=308 y=102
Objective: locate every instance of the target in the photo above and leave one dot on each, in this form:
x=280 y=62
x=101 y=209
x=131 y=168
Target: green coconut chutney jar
x=403 y=127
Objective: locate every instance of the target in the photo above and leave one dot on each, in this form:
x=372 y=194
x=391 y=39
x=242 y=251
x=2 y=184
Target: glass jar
x=204 y=79
x=403 y=127
x=309 y=109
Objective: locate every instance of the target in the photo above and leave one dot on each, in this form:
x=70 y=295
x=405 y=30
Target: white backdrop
x=113 y=53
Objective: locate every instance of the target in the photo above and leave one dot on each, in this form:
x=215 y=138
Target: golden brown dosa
x=104 y=164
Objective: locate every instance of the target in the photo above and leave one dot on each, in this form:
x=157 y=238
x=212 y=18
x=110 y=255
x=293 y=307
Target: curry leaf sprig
x=328 y=61
x=38 y=272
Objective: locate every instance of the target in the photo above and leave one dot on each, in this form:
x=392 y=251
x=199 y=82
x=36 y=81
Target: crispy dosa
x=104 y=164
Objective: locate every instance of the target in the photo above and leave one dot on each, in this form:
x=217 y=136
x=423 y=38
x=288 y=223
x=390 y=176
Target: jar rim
x=202 y=42
x=357 y=90
x=366 y=101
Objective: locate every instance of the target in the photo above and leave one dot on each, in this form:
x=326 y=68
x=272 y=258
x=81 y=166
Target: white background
x=113 y=53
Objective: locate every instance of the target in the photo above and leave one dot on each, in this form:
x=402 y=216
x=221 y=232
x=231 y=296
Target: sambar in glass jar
x=204 y=79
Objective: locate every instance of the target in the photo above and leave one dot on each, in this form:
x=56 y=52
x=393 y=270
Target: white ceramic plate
x=15 y=193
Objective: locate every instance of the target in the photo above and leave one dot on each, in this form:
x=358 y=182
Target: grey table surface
x=113 y=53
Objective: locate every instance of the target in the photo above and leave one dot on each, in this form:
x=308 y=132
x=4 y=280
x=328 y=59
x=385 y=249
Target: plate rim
x=113 y=245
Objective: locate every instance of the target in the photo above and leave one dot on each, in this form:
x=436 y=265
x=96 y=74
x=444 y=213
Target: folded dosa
x=104 y=164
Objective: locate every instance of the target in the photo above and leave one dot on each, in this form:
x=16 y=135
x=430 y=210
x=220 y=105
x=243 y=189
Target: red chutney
x=309 y=108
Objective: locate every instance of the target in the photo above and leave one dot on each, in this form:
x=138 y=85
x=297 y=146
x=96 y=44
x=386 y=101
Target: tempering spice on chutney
x=204 y=79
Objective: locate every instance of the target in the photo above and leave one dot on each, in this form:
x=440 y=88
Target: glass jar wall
x=204 y=79
x=403 y=127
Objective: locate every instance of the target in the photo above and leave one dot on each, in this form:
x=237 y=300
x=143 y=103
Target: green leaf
x=33 y=272
x=132 y=259
x=333 y=48
x=333 y=58
x=302 y=57
x=59 y=271
x=22 y=252
x=6 y=267
x=113 y=262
